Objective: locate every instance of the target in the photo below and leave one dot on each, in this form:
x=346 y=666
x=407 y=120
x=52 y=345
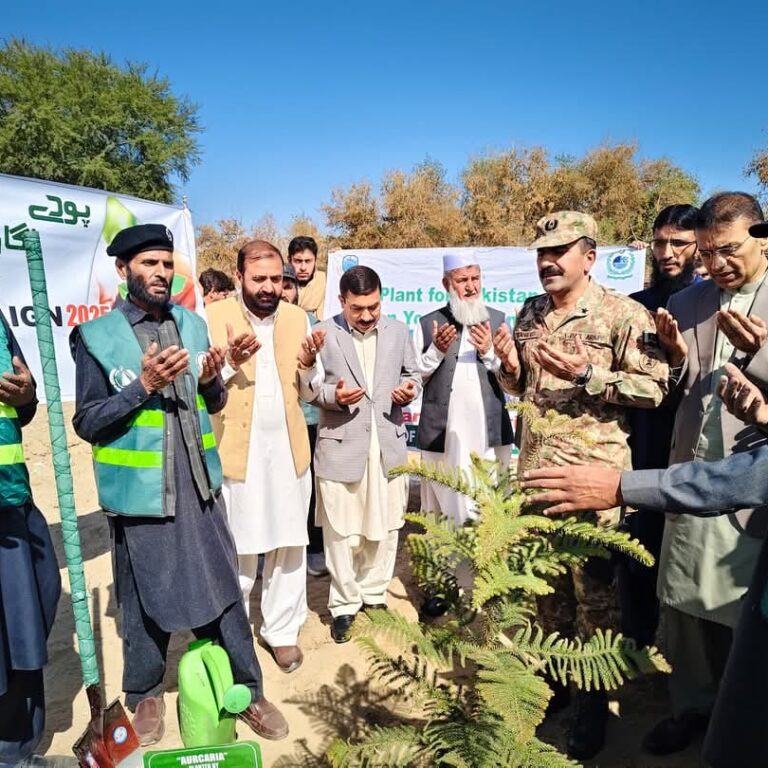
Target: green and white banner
x=411 y=278
x=76 y=224
x=411 y=281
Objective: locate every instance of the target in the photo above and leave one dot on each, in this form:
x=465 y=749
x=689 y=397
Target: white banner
x=411 y=280
x=76 y=224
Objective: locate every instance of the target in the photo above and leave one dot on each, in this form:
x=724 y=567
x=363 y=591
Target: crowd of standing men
x=260 y=445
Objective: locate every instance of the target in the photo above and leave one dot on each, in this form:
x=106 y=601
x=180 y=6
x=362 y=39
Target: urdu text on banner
x=76 y=224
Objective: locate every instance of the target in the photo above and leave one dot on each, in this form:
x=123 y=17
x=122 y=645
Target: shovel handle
x=61 y=464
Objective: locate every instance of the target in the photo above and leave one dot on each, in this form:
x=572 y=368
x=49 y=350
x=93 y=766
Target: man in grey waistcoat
x=463 y=408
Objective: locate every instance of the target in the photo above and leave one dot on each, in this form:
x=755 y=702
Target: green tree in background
x=74 y=116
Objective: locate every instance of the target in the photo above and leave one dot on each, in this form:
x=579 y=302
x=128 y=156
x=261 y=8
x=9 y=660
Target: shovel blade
x=109 y=740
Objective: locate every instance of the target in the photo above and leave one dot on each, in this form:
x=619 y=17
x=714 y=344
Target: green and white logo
x=621 y=264
x=200 y=362
x=120 y=378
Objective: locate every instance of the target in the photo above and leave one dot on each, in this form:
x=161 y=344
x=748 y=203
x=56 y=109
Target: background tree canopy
x=75 y=117
x=498 y=201
x=503 y=194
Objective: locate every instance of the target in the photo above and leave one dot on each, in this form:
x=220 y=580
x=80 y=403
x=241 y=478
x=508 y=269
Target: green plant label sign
x=246 y=754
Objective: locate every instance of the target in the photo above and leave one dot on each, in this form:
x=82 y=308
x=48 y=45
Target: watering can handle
x=214 y=674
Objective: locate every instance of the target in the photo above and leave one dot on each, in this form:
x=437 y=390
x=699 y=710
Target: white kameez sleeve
x=427 y=362
x=490 y=361
x=311 y=380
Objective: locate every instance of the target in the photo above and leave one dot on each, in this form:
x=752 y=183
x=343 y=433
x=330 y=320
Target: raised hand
x=742 y=398
x=670 y=337
x=16 y=388
x=403 y=394
x=443 y=336
x=241 y=347
x=564 y=365
x=158 y=369
x=747 y=334
x=310 y=347
x=506 y=350
x=212 y=364
x=346 y=396
x=480 y=337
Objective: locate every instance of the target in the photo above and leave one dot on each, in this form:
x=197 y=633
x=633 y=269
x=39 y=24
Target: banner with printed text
x=76 y=224
x=411 y=281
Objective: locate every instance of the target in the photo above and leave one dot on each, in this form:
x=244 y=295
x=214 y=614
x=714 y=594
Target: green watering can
x=208 y=698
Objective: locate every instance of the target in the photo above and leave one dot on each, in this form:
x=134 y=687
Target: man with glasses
x=706 y=564
x=673 y=248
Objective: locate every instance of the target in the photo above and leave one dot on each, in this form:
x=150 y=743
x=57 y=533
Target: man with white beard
x=463 y=407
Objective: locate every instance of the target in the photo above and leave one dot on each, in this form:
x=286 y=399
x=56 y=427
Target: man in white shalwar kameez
x=267 y=482
x=463 y=407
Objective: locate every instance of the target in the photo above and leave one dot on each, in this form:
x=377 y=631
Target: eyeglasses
x=725 y=250
x=677 y=246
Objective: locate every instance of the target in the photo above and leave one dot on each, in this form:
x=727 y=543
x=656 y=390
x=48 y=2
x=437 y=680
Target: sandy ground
x=330 y=695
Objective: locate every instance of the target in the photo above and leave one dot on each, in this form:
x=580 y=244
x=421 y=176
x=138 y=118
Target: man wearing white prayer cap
x=463 y=405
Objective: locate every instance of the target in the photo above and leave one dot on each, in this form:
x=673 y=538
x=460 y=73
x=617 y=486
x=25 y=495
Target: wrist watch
x=581 y=380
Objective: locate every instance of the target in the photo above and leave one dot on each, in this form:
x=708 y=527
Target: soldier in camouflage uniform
x=587 y=352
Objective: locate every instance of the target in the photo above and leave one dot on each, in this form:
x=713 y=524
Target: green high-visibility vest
x=14 y=478
x=130 y=468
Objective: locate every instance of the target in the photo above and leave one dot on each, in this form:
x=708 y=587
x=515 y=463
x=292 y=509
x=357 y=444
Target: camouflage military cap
x=563 y=227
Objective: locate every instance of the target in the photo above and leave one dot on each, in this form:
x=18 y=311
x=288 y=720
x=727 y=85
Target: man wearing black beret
x=147 y=380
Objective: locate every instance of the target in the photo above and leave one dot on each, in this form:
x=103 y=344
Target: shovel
x=109 y=740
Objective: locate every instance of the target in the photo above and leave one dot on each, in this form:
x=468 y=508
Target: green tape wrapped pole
x=61 y=464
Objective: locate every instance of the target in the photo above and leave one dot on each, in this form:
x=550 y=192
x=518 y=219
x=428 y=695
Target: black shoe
x=587 y=735
x=434 y=607
x=674 y=734
x=374 y=607
x=561 y=698
x=340 y=627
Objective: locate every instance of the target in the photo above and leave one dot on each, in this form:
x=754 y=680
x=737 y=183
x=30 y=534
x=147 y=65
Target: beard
x=261 y=305
x=306 y=280
x=669 y=285
x=138 y=289
x=468 y=311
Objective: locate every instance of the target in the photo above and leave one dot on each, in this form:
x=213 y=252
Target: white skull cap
x=458 y=260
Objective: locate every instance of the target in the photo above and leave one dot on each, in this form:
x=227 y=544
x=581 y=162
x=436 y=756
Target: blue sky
x=298 y=98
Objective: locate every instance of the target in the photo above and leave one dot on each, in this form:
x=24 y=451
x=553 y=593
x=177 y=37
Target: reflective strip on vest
x=11 y=454
x=124 y=457
x=209 y=439
x=154 y=417
x=7 y=412
x=150 y=418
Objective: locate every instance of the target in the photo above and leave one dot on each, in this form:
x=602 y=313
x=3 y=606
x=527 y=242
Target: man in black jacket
x=673 y=248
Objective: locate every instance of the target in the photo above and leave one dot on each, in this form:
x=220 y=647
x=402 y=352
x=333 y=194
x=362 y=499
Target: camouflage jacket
x=626 y=372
